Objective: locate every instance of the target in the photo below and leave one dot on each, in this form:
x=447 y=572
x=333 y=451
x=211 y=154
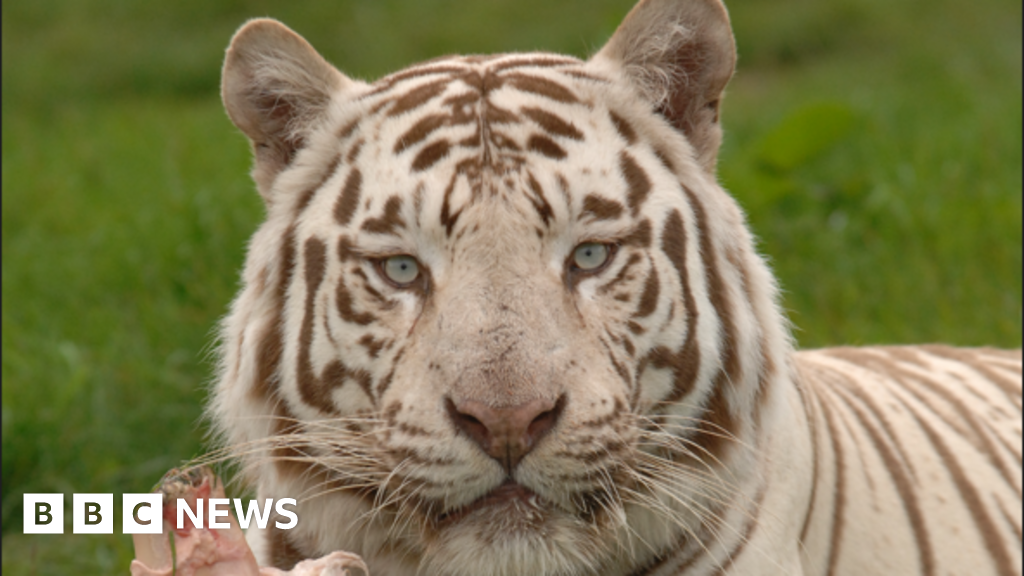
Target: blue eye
x=401 y=270
x=591 y=256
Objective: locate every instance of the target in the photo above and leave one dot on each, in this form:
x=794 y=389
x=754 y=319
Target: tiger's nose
x=506 y=434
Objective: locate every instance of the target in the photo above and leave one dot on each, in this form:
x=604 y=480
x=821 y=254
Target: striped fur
x=687 y=436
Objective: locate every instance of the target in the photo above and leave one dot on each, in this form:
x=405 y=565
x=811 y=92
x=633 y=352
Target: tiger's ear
x=275 y=88
x=679 y=54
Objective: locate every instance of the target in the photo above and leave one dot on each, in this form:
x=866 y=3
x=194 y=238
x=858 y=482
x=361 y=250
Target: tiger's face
x=484 y=326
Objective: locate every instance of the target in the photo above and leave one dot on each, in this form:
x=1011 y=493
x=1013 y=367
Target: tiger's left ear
x=679 y=54
x=275 y=88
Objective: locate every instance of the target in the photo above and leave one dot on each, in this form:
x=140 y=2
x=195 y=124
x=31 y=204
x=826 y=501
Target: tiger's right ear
x=275 y=88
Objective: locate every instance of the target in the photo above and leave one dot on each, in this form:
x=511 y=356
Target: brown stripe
x=353 y=152
x=388 y=82
x=640 y=235
x=718 y=293
x=581 y=75
x=546 y=61
x=861 y=452
x=898 y=472
x=430 y=154
x=970 y=428
x=887 y=370
x=539 y=201
x=620 y=370
x=419 y=131
x=345 y=309
x=494 y=115
x=980 y=430
x=307 y=195
x=1010 y=520
x=372 y=345
x=718 y=426
x=463 y=105
x=629 y=346
x=600 y=208
x=270 y=347
x=1011 y=387
x=765 y=363
x=623 y=127
x=316 y=390
x=373 y=292
x=388 y=222
x=449 y=218
x=271 y=342
x=315 y=261
x=686 y=361
x=649 y=297
x=347 y=203
x=989 y=532
x=385 y=382
x=501 y=142
x=348 y=129
x=541 y=87
x=888 y=430
x=552 y=124
x=636 y=180
x=418 y=96
x=633 y=260
x=812 y=412
x=666 y=159
x=839 y=500
x=545 y=146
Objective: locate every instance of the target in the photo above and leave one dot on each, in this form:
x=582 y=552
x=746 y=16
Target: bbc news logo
x=143 y=513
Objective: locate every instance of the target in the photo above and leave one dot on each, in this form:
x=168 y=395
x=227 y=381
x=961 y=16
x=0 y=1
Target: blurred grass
x=875 y=145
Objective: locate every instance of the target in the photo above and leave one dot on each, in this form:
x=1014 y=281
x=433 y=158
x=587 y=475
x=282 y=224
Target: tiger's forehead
x=439 y=147
x=495 y=112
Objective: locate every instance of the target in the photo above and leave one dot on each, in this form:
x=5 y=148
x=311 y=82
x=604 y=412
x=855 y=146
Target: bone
x=219 y=552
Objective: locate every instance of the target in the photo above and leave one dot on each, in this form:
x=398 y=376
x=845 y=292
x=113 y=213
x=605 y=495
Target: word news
x=143 y=513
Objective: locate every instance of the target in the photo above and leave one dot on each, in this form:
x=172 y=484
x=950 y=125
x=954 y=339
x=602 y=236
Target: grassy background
x=876 y=146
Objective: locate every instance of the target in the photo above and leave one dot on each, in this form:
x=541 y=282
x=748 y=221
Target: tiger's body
x=502 y=319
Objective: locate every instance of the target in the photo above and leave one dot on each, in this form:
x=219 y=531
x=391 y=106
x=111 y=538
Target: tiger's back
x=918 y=459
x=502 y=319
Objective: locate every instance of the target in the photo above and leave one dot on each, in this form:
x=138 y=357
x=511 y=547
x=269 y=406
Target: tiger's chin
x=511 y=531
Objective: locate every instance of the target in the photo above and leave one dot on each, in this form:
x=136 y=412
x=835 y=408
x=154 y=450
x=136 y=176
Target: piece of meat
x=221 y=552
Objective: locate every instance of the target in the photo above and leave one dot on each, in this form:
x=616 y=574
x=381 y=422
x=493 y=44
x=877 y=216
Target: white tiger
x=502 y=320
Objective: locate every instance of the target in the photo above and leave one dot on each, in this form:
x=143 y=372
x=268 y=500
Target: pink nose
x=506 y=434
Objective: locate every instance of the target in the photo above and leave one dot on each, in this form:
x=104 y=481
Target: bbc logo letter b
x=93 y=514
x=44 y=513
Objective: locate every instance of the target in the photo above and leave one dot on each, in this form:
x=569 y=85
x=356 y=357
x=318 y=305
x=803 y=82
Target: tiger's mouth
x=508 y=501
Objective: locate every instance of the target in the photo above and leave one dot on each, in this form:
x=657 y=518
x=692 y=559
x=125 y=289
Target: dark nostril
x=545 y=421
x=469 y=424
x=541 y=423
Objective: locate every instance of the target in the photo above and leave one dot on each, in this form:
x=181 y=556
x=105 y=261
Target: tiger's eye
x=590 y=256
x=401 y=270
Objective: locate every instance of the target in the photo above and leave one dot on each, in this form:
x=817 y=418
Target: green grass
x=876 y=146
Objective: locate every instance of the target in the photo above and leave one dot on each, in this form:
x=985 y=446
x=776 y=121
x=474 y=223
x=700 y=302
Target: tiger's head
x=500 y=319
